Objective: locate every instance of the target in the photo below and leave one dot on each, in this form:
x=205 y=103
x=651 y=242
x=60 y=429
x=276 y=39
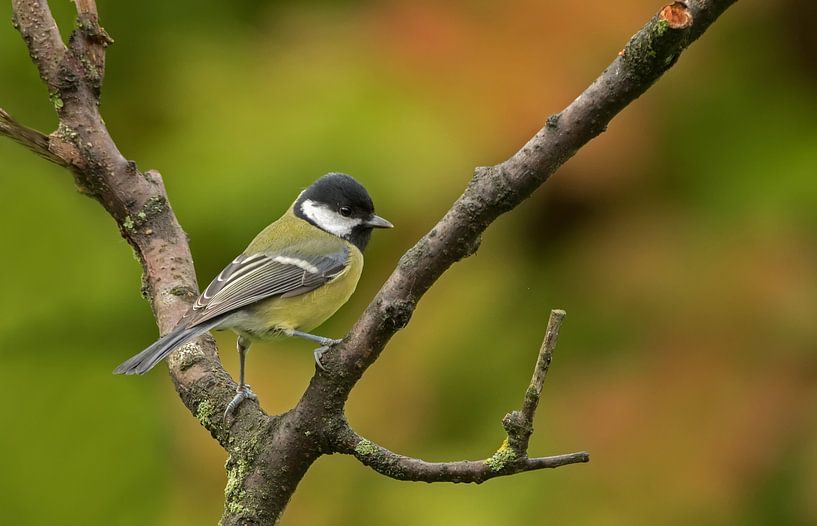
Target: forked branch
x=509 y=459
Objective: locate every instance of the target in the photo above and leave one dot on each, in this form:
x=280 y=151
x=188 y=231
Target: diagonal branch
x=495 y=190
x=509 y=459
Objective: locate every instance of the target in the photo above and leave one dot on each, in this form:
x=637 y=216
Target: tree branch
x=89 y=43
x=400 y=467
x=136 y=200
x=32 y=18
x=270 y=454
x=509 y=459
x=498 y=189
x=519 y=424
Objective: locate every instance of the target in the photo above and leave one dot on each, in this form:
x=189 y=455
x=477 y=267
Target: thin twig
x=519 y=424
x=537 y=381
x=543 y=360
x=504 y=462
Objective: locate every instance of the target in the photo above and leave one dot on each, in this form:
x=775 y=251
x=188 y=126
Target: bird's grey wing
x=253 y=277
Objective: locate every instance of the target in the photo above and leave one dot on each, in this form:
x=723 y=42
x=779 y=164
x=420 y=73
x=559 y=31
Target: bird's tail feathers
x=147 y=359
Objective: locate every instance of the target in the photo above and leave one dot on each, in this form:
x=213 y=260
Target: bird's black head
x=341 y=206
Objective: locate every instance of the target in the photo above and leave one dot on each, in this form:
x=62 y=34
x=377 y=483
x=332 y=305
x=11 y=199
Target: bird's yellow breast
x=274 y=316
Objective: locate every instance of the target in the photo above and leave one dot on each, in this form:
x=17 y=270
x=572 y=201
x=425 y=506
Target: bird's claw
x=242 y=393
x=326 y=343
x=318 y=353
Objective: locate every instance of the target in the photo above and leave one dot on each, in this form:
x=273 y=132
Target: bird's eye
x=345 y=211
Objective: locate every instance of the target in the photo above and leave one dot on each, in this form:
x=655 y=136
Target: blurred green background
x=682 y=243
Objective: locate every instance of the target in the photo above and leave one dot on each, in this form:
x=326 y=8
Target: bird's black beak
x=378 y=222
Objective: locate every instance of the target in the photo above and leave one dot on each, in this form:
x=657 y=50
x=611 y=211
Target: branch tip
x=544 y=358
x=580 y=457
x=519 y=424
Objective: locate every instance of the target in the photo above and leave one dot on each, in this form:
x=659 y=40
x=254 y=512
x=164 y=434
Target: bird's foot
x=242 y=393
x=326 y=343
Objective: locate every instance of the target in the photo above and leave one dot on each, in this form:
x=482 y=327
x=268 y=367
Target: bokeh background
x=682 y=243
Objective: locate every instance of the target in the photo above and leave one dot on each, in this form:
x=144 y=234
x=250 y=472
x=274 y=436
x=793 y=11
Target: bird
x=291 y=278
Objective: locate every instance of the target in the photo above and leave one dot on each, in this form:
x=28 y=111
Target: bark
x=268 y=455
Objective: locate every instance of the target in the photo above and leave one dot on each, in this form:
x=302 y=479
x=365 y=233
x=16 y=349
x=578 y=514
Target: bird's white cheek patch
x=329 y=220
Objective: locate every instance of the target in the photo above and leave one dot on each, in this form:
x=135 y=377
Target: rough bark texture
x=268 y=455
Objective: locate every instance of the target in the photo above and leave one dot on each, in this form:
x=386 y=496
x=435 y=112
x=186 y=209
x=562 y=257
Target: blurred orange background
x=682 y=243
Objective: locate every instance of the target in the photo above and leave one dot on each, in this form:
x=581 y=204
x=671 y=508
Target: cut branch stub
x=655 y=48
x=677 y=15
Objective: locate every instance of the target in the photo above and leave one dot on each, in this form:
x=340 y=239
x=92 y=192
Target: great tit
x=291 y=278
